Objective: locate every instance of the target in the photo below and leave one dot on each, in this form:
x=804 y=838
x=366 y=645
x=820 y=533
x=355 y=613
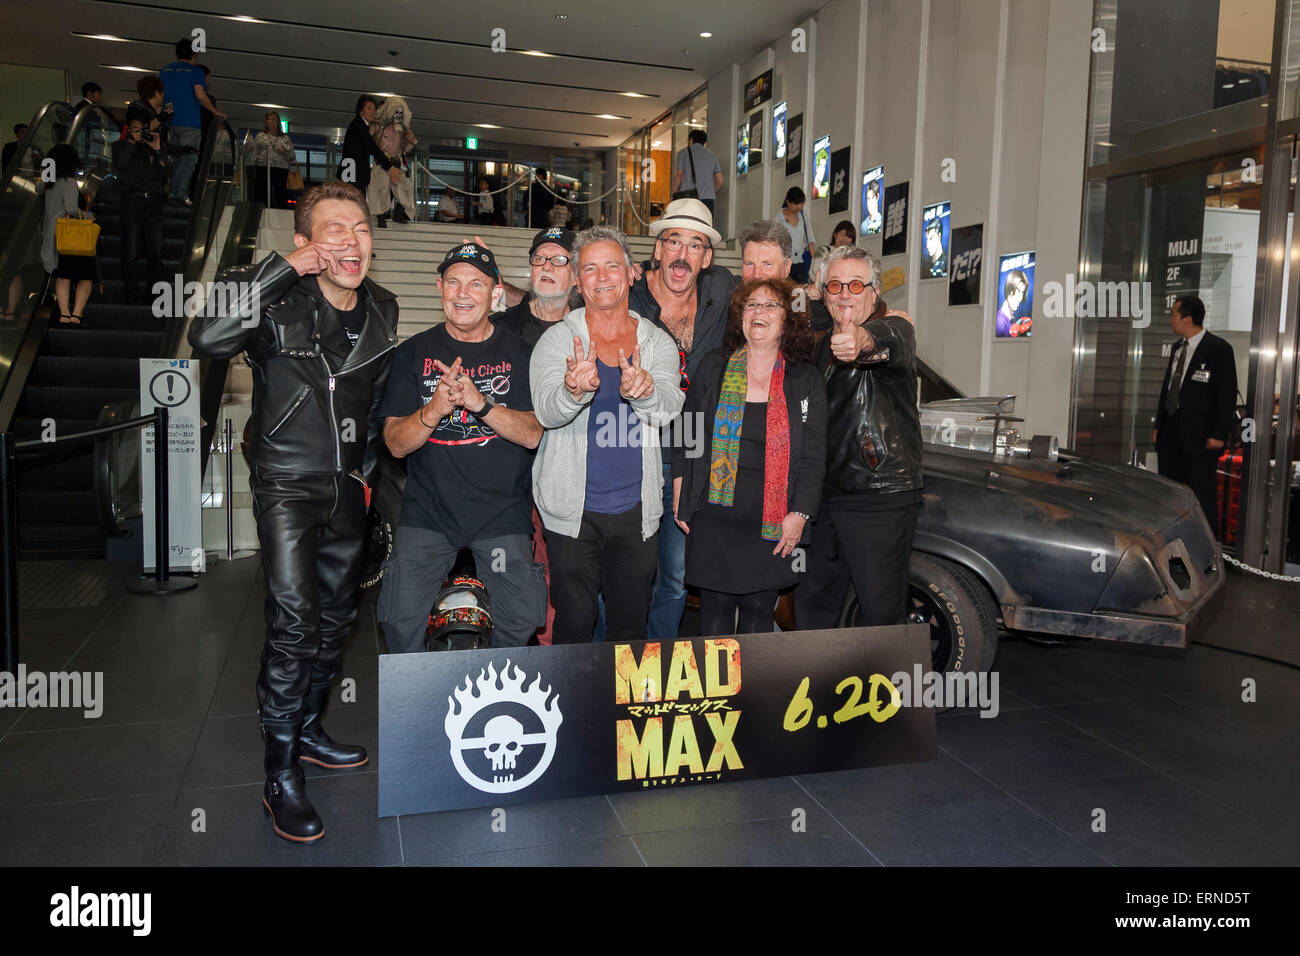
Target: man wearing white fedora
x=685 y=295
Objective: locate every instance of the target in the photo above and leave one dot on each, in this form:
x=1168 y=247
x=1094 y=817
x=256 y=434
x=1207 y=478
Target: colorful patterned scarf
x=726 y=442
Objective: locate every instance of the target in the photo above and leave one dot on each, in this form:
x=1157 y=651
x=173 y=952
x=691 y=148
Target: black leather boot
x=316 y=746
x=285 y=796
x=382 y=221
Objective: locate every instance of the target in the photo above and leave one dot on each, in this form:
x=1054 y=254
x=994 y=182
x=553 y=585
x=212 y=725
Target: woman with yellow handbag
x=267 y=160
x=70 y=238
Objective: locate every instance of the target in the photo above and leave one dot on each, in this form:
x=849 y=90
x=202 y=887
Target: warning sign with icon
x=174 y=384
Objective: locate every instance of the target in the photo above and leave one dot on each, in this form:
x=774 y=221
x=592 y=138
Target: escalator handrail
x=25 y=143
x=192 y=264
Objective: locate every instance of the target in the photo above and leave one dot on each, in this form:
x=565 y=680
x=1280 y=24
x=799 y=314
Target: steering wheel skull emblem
x=503 y=738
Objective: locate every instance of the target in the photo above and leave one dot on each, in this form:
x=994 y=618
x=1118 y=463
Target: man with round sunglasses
x=872 y=492
x=550 y=288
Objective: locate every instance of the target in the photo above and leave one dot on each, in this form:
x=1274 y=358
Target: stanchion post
x=230 y=506
x=9 y=553
x=161 y=497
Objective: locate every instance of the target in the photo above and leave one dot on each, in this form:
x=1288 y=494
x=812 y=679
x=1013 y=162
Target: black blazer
x=1208 y=395
x=360 y=146
x=805 y=399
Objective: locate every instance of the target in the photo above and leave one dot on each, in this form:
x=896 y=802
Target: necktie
x=1176 y=379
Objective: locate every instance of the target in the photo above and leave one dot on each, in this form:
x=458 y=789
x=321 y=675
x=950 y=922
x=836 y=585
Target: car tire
x=962 y=615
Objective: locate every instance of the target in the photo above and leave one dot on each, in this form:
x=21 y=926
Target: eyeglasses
x=693 y=247
x=771 y=308
x=857 y=286
x=558 y=261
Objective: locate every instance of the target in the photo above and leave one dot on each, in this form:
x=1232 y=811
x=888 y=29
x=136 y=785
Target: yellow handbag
x=293 y=182
x=76 y=237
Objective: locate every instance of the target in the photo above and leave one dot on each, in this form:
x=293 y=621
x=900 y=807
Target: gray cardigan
x=60 y=202
x=560 y=468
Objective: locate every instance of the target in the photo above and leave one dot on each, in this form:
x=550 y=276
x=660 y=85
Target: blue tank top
x=613 y=448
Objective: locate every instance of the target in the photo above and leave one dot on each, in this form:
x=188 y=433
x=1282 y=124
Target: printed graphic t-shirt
x=466 y=482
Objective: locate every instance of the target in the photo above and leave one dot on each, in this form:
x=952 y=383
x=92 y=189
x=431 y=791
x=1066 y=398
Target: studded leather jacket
x=315 y=397
x=873 y=432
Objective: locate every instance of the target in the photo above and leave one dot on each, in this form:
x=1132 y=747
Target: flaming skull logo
x=503 y=738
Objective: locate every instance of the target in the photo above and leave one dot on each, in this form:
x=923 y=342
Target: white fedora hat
x=687 y=214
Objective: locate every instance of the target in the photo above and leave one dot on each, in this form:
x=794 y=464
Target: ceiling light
x=392 y=69
x=630 y=93
x=1103 y=143
x=128 y=69
x=487 y=126
x=241 y=18
x=383 y=94
x=606 y=116
x=561 y=16
x=271 y=106
x=535 y=53
x=706 y=34
x=102 y=36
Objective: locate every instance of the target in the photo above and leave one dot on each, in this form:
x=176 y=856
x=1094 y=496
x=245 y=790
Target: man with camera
x=142 y=168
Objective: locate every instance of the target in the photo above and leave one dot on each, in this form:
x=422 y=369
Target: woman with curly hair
x=744 y=499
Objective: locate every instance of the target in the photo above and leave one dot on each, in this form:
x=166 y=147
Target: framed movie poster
x=895 y=233
x=964 y=273
x=839 y=181
x=778 y=130
x=1015 y=296
x=758 y=90
x=756 y=140
x=821 y=186
x=935 y=240
x=794 y=145
x=873 y=202
x=742 y=149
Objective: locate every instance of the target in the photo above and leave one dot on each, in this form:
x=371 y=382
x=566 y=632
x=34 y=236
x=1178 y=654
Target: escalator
x=63 y=380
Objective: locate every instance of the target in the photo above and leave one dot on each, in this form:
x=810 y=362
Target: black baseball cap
x=556 y=234
x=477 y=255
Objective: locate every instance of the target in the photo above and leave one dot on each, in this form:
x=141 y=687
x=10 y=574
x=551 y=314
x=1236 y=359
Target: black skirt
x=76 y=268
x=725 y=551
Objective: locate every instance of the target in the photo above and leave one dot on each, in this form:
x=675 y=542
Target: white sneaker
x=188 y=201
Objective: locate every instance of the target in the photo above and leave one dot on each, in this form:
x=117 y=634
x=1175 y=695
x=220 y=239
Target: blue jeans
x=183 y=163
x=669 y=598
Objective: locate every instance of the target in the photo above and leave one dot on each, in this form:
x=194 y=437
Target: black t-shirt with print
x=467 y=481
x=353 y=320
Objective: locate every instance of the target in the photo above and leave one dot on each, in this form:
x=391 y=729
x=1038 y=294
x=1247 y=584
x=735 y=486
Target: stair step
x=73 y=470
x=37 y=542
x=79 y=371
x=27 y=428
x=63 y=402
x=58 y=508
x=103 y=343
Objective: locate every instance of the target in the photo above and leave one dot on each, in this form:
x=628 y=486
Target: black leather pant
x=311 y=530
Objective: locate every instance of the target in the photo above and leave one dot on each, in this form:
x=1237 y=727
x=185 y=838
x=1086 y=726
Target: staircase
x=77 y=372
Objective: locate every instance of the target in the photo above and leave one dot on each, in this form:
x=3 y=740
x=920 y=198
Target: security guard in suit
x=1195 y=414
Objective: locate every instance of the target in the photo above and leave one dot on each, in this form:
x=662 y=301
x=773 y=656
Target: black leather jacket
x=314 y=398
x=873 y=433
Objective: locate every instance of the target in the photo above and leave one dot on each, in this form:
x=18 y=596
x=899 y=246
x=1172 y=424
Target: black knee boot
x=316 y=746
x=285 y=796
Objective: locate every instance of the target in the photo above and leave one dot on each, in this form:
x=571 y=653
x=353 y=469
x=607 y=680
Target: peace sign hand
x=441 y=405
x=581 y=376
x=637 y=382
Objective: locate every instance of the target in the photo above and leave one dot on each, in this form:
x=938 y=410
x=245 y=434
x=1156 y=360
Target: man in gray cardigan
x=604 y=381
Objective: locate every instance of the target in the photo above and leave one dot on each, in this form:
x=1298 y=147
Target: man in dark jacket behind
x=143 y=171
x=360 y=147
x=319 y=337
x=1194 y=416
x=872 y=492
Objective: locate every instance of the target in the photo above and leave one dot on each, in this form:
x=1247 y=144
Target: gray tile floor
x=1103 y=754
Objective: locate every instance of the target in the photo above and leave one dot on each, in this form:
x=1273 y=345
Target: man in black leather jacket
x=872 y=491
x=319 y=337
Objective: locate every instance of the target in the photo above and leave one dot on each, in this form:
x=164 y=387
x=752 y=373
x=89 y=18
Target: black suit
x=1205 y=410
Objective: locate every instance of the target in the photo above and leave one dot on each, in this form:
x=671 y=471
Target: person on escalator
x=143 y=170
x=63 y=199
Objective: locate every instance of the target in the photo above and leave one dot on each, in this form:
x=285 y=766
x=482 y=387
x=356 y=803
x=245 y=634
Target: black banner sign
x=496 y=727
x=758 y=90
x=895 y=233
x=966 y=266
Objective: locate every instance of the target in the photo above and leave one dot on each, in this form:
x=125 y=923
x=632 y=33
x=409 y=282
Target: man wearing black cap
x=458 y=408
x=550 y=286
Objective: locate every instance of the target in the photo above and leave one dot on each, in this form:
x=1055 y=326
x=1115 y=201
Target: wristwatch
x=488 y=405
